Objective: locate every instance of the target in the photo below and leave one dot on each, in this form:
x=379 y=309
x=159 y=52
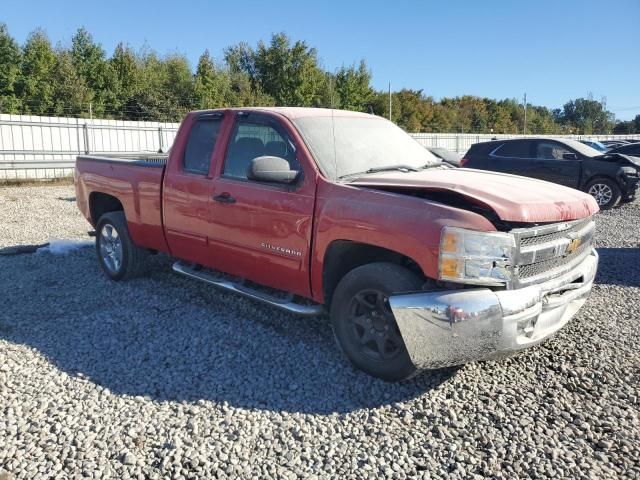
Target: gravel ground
x=165 y=377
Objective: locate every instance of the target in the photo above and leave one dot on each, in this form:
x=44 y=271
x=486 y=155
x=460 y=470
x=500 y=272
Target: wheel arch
x=342 y=256
x=597 y=176
x=101 y=203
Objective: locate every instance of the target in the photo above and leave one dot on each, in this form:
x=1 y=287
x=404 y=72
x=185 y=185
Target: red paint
x=278 y=236
x=513 y=198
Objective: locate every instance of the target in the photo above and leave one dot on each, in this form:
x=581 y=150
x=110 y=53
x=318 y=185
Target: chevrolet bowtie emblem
x=573 y=246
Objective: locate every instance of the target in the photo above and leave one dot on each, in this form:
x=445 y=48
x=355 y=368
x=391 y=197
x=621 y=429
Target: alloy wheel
x=601 y=192
x=110 y=248
x=374 y=326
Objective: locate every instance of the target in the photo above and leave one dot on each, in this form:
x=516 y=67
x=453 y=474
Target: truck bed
x=136 y=181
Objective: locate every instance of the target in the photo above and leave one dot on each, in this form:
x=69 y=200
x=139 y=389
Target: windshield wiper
x=389 y=168
x=431 y=165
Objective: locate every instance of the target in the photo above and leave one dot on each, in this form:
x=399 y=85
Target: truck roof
x=299 y=112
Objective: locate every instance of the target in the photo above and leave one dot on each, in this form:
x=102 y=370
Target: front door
x=554 y=164
x=262 y=231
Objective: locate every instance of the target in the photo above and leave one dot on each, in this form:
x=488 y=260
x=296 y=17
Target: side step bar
x=286 y=304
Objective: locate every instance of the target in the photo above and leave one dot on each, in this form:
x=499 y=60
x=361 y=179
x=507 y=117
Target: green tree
x=10 y=58
x=628 y=126
x=212 y=85
x=34 y=83
x=587 y=116
x=499 y=118
x=166 y=89
x=245 y=89
x=288 y=73
x=124 y=64
x=91 y=63
x=352 y=85
x=71 y=95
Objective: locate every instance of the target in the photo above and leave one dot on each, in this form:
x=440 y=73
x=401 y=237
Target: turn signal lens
x=449 y=242
x=449 y=267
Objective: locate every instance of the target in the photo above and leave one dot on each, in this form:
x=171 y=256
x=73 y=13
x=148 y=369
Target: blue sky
x=553 y=50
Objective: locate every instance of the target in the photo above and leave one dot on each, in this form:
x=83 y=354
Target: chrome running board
x=286 y=303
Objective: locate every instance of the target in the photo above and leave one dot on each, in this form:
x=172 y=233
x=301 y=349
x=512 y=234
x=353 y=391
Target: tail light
x=464 y=161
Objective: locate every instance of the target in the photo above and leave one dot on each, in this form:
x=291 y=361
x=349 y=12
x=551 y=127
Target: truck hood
x=511 y=197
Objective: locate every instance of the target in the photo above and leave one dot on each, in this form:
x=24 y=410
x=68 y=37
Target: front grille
x=535 y=269
x=526 y=241
x=543 y=252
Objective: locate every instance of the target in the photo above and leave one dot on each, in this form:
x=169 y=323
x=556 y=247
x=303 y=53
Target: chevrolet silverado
x=418 y=264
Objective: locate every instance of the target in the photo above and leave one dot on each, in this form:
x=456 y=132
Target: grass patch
x=35 y=182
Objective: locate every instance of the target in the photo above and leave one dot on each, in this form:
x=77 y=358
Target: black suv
x=629 y=149
x=609 y=177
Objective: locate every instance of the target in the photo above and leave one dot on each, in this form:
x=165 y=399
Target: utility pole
x=390 y=103
x=524 y=129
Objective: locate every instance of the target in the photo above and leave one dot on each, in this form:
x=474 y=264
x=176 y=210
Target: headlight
x=480 y=258
x=629 y=171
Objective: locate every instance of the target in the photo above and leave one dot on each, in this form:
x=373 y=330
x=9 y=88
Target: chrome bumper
x=446 y=328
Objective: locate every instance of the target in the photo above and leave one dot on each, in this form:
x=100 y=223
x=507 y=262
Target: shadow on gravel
x=619 y=266
x=172 y=339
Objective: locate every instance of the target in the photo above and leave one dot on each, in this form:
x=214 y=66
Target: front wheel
x=605 y=191
x=119 y=257
x=363 y=322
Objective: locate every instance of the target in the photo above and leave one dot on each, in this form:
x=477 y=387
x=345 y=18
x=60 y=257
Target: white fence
x=460 y=142
x=46 y=147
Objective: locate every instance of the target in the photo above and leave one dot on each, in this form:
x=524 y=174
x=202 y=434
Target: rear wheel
x=363 y=322
x=605 y=191
x=119 y=257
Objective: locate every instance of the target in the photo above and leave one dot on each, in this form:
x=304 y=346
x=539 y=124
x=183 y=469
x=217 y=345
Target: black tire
x=606 y=192
x=363 y=324
x=133 y=259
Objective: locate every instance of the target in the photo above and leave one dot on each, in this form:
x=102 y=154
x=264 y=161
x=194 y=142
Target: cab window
x=200 y=144
x=252 y=139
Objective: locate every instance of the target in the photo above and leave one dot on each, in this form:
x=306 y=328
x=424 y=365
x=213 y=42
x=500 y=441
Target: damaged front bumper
x=445 y=328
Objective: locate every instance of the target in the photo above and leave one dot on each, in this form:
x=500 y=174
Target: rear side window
x=200 y=144
x=515 y=149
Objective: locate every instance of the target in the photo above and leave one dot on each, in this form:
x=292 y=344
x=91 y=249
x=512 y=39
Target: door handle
x=224 y=198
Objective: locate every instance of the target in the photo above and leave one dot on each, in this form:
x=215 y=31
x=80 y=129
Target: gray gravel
x=163 y=377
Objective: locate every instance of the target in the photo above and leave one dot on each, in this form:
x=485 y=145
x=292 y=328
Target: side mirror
x=271 y=169
x=569 y=156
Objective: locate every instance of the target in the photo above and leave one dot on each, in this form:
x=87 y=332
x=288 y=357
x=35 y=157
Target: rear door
x=513 y=156
x=553 y=165
x=187 y=189
x=262 y=231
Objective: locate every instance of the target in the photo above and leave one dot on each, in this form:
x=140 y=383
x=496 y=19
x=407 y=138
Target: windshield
x=344 y=145
x=585 y=150
x=597 y=145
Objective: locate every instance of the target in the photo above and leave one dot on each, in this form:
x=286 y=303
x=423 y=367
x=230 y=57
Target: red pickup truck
x=420 y=265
